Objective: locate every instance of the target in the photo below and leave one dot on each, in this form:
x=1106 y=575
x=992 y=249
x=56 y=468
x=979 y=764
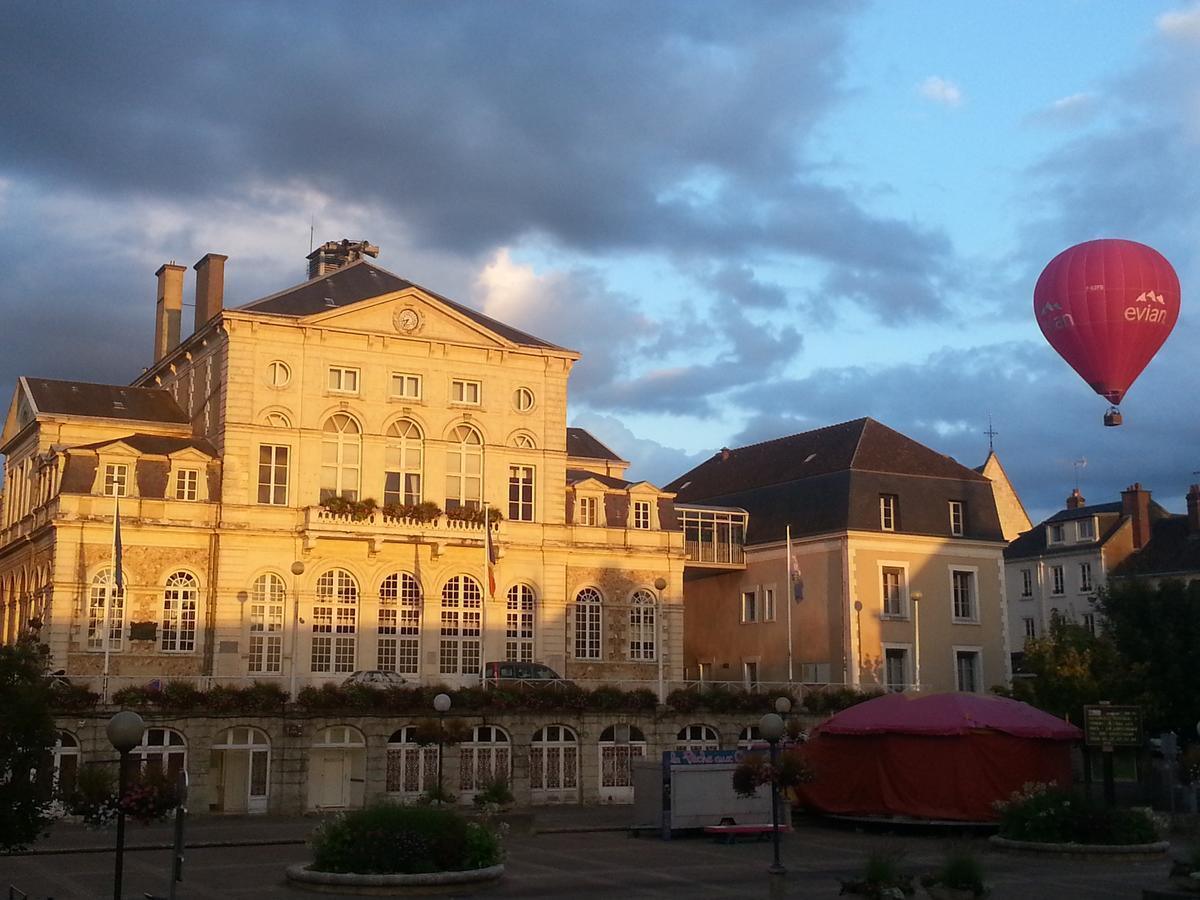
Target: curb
x=190 y=845
x=1158 y=848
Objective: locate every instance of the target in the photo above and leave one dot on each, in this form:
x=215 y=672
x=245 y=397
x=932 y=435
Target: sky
x=751 y=218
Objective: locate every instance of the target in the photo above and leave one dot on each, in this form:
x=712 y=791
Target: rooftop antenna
x=991 y=434
x=312 y=228
x=1078 y=464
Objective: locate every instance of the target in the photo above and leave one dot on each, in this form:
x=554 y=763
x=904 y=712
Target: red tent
x=933 y=756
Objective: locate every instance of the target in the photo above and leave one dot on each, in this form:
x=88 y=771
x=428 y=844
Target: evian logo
x=1151 y=297
x=1148 y=313
x=1050 y=307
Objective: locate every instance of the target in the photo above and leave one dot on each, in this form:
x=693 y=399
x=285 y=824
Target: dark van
x=531 y=673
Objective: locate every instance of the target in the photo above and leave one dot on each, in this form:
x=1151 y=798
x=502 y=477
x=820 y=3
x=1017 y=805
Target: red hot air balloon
x=1107 y=306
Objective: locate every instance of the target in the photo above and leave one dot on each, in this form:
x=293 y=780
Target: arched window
x=335 y=623
x=464 y=468
x=749 y=738
x=641 y=625
x=179 y=613
x=619 y=746
x=518 y=632
x=697 y=737
x=399 y=624
x=588 y=607
x=411 y=766
x=462 y=609
x=278 y=420
x=266 y=624
x=487 y=757
x=402 y=461
x=554 y=764
x=341 y=452
x=163 y=751
x=97 y=597
x=344 y=736
x=524 y=441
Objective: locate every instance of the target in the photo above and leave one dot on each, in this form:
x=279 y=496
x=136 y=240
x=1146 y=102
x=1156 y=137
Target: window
x=966 y=668
x=179 y=613
x=893 y=592
x=641 y=514
x=278 y=420
x=588 y=606
x=518 y=624
x=1089 y=622
x=335 y=623
x=343 y=380
x=705 y=671
x=523 y=399
x=1085 y=530
x=97 y=598
x=266 y=624
x=468 y=392
x=588 y=511
x=749 y=606
x=956 y=518
x=1026 y=582
x=895 y=668
x=1056 y=534
x=406 y=386
x=962 y=585
x=520 y=493
x=697 y=738
x=403 y=459
x=116 y=480
x=278 y=374
x=1085 y=576
x=163 y=751
x=1030 y=626
x=641 y=625
x=486 y=758
x=887 y=511
x=341 y=450
x=815 y=673
x=273 y=474
x=462 y=619
x=1057 y=584
x=768 y=605
x=524 y=441
x=399 y=628
x=464 y=468
x=187 y=484
x=750 y=675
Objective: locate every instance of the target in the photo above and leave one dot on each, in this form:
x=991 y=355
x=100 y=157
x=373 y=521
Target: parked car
x=376 y=678
x=522 y=673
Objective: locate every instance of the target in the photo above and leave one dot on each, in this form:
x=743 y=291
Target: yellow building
x=243 y=460
x=896 y=578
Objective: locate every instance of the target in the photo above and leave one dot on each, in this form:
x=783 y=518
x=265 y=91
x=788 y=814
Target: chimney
x=1193 y=502
x=1135 y=503
x=334 y=255
x=168 y=309
x=1075 y=501
x=210 y=287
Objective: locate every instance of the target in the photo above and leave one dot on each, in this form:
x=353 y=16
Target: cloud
x=649 y=460
x=1181 y=24
x=941 y=90
x=1067 y=112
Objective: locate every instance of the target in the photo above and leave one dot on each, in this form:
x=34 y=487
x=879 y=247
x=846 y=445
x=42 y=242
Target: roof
x=1172 y=550
x=154 y=445
x=362 y=280
x=106 y=401
x=947 y=714
x=575 y=476
x=1109 y=516
x=583 y=445
x=1082 y=512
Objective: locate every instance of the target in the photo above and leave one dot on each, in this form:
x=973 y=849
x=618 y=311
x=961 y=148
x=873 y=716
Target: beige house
x=241 y=460
x=896 y=578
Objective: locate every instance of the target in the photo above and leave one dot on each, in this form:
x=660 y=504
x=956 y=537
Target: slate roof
x=1032 y=543
x=582 y=444
x=574 y=476
x=1171 y=550
x=106 y=401
x=830 y=479
x=362 y=280
x=154 y=445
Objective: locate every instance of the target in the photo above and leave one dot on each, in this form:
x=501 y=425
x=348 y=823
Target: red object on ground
x=937 y=756
x=1107 y=306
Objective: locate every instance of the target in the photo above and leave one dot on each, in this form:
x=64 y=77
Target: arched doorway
x=239 y=771
x=487 y=757
x=411 y=766
x=554 y=766
x=65 y=755
x=619 y=746
x=337 y=769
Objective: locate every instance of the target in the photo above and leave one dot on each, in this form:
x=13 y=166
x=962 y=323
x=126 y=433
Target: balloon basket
x=1113 y=417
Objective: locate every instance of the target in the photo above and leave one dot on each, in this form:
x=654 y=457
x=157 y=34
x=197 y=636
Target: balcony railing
x=318 y=519
x=714 y=535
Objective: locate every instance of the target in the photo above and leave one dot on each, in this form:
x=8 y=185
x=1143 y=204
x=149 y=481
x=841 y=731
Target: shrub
x=961 y=871
x=1049 y=814
x=72 y=697
x=1189 y=765
x=474 y=516
x=495 y=793
x=358 y=510
x=427 y=511
x=883 y=876
x=180 y=695
x=151 y=796
x=755 y=769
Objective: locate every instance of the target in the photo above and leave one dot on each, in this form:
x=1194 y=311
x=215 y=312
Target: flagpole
x=485 y=584
x=791 y=598
x=108 y=589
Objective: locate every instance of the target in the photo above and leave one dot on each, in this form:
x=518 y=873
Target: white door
x=554 y=766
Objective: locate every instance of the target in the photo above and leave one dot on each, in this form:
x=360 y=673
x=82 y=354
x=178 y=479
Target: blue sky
x=751 y=218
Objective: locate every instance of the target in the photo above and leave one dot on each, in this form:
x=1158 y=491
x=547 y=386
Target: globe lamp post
x=441 y=704
x=771 y=728
x=125 y=731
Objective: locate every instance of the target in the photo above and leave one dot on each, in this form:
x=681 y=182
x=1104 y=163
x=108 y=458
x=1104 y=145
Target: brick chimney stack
x=168 y=309
x=1075 y=501
x=1193 y=503
x=1135 y=503
x=210 y=287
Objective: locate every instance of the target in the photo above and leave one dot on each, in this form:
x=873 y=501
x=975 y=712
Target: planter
x=380 y=885
x=1112 y=851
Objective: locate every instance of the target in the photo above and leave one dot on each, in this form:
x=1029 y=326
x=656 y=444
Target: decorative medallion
x=406 y=319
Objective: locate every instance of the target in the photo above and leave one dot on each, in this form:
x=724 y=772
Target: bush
x=755 y=770
x=392 y=839
x=72 y=697
x=961 y=871
x=473 y=515
x=883 y=876
x=358 y=510
x=1049 y=814
x=495 y=792
x=416 y=512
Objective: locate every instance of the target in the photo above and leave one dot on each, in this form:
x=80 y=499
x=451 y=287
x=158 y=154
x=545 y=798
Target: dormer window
x=956 y=518
x=589 y=511
x=1056 y=534
x=641 y=514
x=187 y=484
x=1086 y=529
x=888 y=508
x=116 y=480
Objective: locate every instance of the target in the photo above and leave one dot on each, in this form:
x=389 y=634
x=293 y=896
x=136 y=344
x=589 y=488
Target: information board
x=1112 y=726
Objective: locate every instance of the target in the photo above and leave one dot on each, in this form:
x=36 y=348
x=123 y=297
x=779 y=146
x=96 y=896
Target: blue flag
x=118 y=577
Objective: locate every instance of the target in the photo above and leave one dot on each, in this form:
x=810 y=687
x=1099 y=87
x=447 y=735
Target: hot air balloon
x=1107 y=306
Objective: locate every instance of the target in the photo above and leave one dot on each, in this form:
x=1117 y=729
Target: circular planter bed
x=389 y=885
x=1135 y=851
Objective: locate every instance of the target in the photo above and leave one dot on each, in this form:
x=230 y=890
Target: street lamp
x=125 y=731
x=441 y=703
x=771 y=728
x=916 y=602
x=297 y=571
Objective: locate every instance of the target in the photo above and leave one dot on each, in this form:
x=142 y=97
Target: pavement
x=572 y=852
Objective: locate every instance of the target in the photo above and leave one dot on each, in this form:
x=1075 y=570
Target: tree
x=26 y=731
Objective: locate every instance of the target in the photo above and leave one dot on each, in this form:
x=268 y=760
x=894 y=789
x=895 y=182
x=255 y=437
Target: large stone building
x=241 y=460
x=897 y=571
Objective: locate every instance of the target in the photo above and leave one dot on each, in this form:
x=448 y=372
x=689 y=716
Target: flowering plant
x=755 y=770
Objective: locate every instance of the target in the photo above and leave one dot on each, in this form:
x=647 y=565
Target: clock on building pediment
x=407 y=320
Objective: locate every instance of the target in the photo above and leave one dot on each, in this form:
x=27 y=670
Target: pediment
x=410 y=313
x=20 y=413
